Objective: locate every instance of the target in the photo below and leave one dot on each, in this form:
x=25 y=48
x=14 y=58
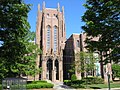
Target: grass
x=100 y=86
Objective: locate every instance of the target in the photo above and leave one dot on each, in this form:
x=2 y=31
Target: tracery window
x=48 y=37
x=55 y=38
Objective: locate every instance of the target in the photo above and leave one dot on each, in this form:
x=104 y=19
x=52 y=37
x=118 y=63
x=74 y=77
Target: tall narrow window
x=78 y=43
x=55 y=38
x=48 y=37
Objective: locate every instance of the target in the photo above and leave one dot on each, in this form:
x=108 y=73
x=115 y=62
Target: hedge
x=39 y=85
x=77 y=86
x=41 y=81
x=84 y=81
x=67 y=82
x=73 y=77
x=93 y=80
x=75 y=83
x=34 y=82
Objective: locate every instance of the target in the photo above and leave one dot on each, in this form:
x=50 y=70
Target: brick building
x=51 y=37
x=58 y=54
x=72 y=46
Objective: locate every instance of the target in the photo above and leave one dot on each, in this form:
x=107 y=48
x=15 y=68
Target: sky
x=74 y=9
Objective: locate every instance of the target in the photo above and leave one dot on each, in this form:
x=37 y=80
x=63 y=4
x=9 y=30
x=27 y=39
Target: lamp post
x=108 y=74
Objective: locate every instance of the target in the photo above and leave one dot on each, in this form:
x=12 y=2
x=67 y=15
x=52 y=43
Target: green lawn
x=99 y=86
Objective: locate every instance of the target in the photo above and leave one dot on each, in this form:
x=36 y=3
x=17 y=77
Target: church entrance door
x=49 y=69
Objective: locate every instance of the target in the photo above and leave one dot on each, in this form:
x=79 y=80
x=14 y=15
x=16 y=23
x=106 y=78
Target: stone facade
x=72 y=46
x=51 y=37
x=58 y=54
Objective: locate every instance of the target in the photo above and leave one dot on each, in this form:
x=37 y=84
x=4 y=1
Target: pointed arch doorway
x=57 y=69
x=49 y=69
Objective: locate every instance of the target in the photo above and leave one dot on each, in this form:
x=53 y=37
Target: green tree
x=3 y=70
x=102 y=18
x=17 y=52
x=31 y=54
x=85 y=62
x=73 y=77
x=28 y=61
x=116 y=70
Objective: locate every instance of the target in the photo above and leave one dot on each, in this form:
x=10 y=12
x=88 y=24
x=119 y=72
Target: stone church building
x=51 y=37
x=58 y=53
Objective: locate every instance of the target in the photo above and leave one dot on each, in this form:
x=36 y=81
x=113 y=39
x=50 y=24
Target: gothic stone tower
x=51 y=37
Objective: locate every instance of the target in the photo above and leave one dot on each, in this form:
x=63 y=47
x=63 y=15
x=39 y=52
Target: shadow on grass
x=95 y=87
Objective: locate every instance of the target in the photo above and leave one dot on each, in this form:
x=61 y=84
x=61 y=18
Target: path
x=61 y=86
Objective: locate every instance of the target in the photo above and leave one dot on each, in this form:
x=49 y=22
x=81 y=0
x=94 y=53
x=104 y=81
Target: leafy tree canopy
x=102 y=19
x=84 y=62
x=17 y=53
x=116 y=70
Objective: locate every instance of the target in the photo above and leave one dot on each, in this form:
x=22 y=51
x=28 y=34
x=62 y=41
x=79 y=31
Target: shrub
x=77 y=82
x=88 y=80
x=28 y=82
x=73 y=77
x=39 y=85
x=116 y=70
x=98 y=80
x=67 y=82
x=35 y=82
x=77 y=86
x=49 y=85
x=41 y=81
x=93 y=80
x=80 y=83
x=32 y=86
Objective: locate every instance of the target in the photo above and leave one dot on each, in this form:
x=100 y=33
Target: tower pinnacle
x=38 y=7
x=43 y=7
x=58 y=7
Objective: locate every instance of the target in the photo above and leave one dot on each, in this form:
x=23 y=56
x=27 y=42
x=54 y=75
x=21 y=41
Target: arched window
x=78 y=43
x=48 y=37
x=55 y=38
x=49 y=69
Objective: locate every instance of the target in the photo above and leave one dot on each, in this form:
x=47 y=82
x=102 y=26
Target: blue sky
x=73 y=11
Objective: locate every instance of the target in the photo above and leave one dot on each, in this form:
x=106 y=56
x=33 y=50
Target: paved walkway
x=108 y=89
x=61 y=86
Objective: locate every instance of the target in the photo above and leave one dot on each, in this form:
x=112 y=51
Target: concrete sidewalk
x=61 y=86
x=108 y=89
x=101 y=89
x=66 y=88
